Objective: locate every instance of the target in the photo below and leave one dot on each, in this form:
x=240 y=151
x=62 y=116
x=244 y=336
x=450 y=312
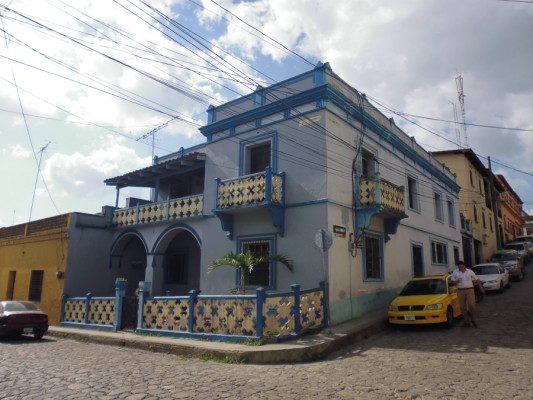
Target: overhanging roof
x=148 y=176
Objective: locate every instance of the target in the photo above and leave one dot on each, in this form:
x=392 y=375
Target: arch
x=169 y=233
x=122 y=240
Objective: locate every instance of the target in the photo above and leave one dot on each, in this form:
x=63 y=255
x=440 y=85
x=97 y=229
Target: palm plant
x=246 y=262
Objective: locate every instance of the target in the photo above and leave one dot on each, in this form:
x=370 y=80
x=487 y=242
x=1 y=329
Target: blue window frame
x=263 y=275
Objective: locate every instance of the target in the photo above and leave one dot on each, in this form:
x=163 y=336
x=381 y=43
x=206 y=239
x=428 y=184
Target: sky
x=93 y=89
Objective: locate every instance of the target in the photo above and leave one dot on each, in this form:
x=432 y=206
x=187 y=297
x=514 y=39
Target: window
x=475 y=213
x=456 y=256
x=439 y=253
x=262 y=273
x=176 y=267
x=36 y=286
x=368 y=164
x=259 y=157
x=484 y=221
x=451 y=212
x=412 y=189
x=480 y=187
x=471 y=178
x=372 y=258
x=438 y=207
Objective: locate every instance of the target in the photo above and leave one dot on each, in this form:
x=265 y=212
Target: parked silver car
x=521 y=247
x=511 y=261
x=493 y=276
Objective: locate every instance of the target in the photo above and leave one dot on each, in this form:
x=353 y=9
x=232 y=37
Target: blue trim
x=176 y=227
x=197 y=335
x=88 y=326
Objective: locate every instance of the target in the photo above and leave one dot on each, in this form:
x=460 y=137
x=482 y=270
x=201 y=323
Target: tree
x=246 y=262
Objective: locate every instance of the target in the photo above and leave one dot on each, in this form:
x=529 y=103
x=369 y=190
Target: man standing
x=464 y=278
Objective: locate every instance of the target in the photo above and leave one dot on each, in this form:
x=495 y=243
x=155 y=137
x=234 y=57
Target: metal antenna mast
x=154 y=131
x=459 y=84
x=457 y=130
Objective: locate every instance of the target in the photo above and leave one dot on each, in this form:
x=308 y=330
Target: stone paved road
x=494 y=361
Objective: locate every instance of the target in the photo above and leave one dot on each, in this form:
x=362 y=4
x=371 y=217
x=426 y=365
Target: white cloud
x=18 y=151
x=79 y=175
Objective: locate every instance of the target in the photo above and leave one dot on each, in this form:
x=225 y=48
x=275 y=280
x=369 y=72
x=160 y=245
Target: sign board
x=339 y=231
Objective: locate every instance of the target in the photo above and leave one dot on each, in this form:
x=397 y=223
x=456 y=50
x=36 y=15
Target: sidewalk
x=307 y=348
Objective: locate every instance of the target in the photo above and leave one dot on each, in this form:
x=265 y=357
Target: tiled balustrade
x=379 y=192
x=170 y=210
x=255 y=189
x=94 y=312
x=233 y=317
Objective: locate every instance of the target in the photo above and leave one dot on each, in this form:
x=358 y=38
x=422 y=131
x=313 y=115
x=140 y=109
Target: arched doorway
x=178 y=261
x=129 y=259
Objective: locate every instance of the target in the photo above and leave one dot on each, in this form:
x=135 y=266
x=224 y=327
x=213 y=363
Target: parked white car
x=493 y=276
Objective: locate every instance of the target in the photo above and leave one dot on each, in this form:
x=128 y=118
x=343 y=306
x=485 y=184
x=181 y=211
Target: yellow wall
x=473 y=192
x=28 y=247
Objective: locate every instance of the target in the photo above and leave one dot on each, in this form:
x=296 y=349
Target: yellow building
x=33 y=259
x=511 y=207
x=479 y=222
x=42 y=260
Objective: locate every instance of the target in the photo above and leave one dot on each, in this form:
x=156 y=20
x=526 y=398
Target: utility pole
x=495 y=206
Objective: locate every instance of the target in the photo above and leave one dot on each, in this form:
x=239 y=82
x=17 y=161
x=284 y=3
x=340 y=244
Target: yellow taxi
x=426 y=300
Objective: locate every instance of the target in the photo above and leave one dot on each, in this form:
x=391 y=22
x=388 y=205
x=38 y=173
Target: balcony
x=170 y=210
x=378 y=197
x=264 y=189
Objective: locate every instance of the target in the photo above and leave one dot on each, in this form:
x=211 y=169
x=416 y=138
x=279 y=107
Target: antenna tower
x=154 y=131
x=459 y=84
x=457 y=130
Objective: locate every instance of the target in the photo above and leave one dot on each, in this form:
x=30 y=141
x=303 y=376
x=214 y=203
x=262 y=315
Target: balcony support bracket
x=363 y=218
x=277 y=214
x=391 y=226
x=226 y=221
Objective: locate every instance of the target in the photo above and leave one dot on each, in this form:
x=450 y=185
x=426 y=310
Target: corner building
x=308 y=168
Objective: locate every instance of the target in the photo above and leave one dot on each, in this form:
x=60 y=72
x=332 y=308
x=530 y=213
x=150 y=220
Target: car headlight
x=393 y=308
x=434 y=306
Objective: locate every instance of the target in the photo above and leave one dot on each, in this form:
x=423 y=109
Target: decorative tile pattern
x=225 y=316
x=241 y=191
x=279 y=316
x=277 y=189
x=392 y=196
x=186 y=207
x=311 y=309
x=102 y=312
x=74 y=311
x=167 y=314
x=367 y=192
x=174 y=209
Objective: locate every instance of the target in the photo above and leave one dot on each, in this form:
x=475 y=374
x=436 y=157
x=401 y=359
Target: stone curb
x=306 y=349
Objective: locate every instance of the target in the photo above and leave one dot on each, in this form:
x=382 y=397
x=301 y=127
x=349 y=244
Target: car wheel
x=449 y=318
x=38 y=334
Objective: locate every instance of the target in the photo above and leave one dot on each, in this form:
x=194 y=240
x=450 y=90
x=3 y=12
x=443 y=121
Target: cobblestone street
x=494 y=361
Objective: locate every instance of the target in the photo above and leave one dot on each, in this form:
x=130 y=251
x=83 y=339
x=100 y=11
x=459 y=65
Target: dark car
x=18 y=317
